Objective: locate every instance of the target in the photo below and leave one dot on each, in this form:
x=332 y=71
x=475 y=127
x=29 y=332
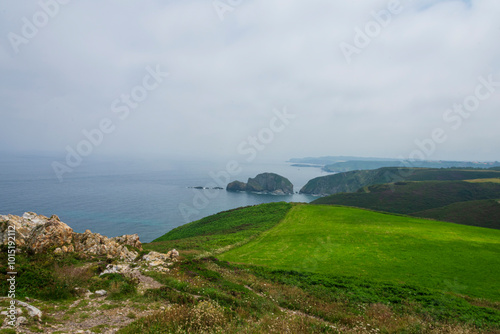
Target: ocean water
x=124 y=197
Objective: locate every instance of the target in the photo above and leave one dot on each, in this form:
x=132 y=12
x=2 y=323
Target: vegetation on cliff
x=444 y=200
x=223 y=229
x=349 y=182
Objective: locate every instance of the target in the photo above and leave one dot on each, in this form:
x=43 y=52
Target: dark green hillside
x=451 y=174
x=223 y=229
x=485 y=213
x=411 y=197
x=354 y=180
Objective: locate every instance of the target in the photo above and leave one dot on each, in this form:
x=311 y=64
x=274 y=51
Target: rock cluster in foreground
x=40 y=234
x=269 y=183
x=37 y=234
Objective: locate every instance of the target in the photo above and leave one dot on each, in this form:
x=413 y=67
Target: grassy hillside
x=485 y=213
x=411 y=197
x=451 y=174
x=223 y=229
x=325 y=269
x=363 y=244
x=354 y=180
x=346 y=182
x=355 y=272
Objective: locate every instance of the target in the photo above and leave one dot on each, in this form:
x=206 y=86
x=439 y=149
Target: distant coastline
x=307 y=165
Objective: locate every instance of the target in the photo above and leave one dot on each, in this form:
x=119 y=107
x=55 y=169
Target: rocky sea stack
x=269 y=183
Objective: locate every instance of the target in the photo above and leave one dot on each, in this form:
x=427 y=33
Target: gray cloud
x=226 y=77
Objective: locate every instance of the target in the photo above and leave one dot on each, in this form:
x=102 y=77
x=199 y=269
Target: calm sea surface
x=149 y=198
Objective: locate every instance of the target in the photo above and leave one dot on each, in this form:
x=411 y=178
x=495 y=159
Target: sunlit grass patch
x=354 y=242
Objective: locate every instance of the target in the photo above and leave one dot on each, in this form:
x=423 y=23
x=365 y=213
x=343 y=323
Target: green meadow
x=224 y=229
x=495 y=180
x=362 y=244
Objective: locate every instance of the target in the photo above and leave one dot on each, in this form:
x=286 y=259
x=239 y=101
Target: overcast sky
x=350 y=85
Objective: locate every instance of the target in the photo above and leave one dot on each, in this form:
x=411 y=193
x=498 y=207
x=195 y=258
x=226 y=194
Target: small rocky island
x=268 y=183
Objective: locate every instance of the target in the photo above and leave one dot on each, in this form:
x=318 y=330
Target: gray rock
x=21 y=321
x=174 y=253
x=115 y=269
x=32 y=311
x=83 y=292
x=101 y=293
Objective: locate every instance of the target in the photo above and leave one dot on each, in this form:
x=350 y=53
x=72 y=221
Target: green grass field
x=494 y=180
x=221 y=230
x=382 y=247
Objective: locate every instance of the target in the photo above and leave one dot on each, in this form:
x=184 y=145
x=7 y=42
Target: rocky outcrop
x=95 y=244
x=32 y=311
x=40 y=234
x=236 y=186
x=23 y=227
x=264 y=183
x=129 y=239
x=271 y=183
x=49 y=234
x=153 y=260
